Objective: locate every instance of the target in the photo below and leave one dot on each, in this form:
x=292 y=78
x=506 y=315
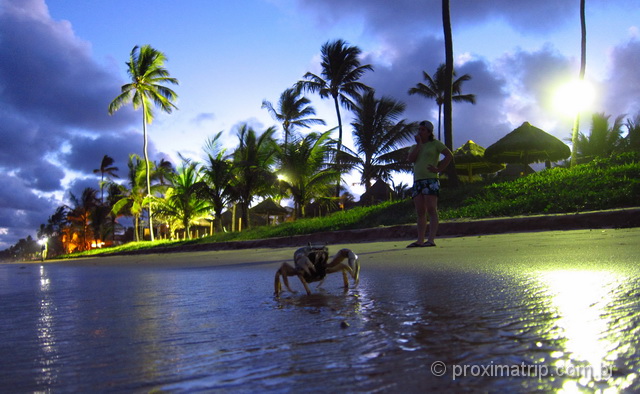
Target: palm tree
x=435 y=89
x=133 y=194
x=106 y=167
x=54 y=230
x=252 y=163
x=163 y=169
x=81 y=214
x=305 y=169
x=294 y=111
x=583 y=66
x=114 y=194
x=181 y=199
x=219 y=176
x=632 y=140
x=148 y=76
x=448 y=89
x=378 y=134
x=602 y=140
x=341 y=71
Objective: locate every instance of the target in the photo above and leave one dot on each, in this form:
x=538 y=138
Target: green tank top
x=428 y=155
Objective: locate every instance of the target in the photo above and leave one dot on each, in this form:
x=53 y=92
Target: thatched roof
x=527 y=144
x=470 y=160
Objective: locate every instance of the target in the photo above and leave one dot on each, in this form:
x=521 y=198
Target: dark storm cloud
x=481 y=122
x=535 y=77
x=42 y=175
x=531 y=78
x=624 y=96
x=51 y=92
x=402 y=16
x=21 y=210
x=87 y=151
x=78 y=185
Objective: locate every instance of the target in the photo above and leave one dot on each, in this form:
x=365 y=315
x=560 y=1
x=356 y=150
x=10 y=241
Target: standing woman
x=425 y=156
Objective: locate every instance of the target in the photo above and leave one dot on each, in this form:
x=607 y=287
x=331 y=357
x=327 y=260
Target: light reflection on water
x=82 y=328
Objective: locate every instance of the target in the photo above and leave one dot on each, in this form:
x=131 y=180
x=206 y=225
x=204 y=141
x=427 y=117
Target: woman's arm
x=442 y=165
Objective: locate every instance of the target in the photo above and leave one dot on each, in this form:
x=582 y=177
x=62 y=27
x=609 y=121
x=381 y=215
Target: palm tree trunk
x=136 y=224
x=448 y=113
x=335 y=100
x=583 y=66
x=439 y=121
x=146 y=161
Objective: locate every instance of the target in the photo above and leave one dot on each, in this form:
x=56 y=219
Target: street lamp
x=573 y=98
x=44 y=247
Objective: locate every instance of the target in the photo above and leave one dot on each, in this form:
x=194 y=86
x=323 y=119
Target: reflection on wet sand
x=588 y=306
x=47 y=374
x=124 y=328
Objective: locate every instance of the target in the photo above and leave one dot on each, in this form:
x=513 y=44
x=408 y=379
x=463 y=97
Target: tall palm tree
x=252 y=163
x=602 y=140
x=218 y=174
x=448 y=89
x=583 y=66
x=305 y=169
x=106 y=167
x=435 y=89
x=339 y=79
x=294 y=110
x=148 y=76
x=181 y=200
x=378 y=136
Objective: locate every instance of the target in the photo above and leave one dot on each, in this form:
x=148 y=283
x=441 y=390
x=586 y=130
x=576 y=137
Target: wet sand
x=442 y=318
x=574 y=248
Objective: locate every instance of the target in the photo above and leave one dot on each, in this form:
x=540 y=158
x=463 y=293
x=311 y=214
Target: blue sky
x=64 y=61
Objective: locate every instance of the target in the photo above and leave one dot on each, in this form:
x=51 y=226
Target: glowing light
x=580 y=298
x=574 y=97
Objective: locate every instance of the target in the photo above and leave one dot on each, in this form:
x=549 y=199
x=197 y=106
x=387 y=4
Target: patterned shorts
x=429 y=186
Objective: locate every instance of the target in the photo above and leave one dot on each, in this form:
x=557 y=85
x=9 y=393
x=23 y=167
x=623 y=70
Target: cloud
x=203 y=117
x=117 y=145
x=510 y=89
x=53 y=114
x=623 y=97
x=404 y=18
x=21 y=210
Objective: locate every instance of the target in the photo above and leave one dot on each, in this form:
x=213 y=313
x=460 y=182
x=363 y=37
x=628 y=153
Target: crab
x=311 y=265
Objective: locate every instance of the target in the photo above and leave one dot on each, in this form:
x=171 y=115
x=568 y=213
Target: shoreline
x=586 y=248
x=607 y=219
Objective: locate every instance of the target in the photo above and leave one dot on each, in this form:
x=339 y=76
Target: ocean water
x=106 y=328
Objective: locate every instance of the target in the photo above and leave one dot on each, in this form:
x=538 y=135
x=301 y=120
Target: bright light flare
x=574 y=97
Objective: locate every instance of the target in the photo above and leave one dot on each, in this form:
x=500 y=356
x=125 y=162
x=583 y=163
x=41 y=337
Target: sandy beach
x=500 y=313
x=572 y=247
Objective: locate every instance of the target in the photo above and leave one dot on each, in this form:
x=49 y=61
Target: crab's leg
x=304 y=283
x=284 y=271
x=303 y=264
x=353 y=268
